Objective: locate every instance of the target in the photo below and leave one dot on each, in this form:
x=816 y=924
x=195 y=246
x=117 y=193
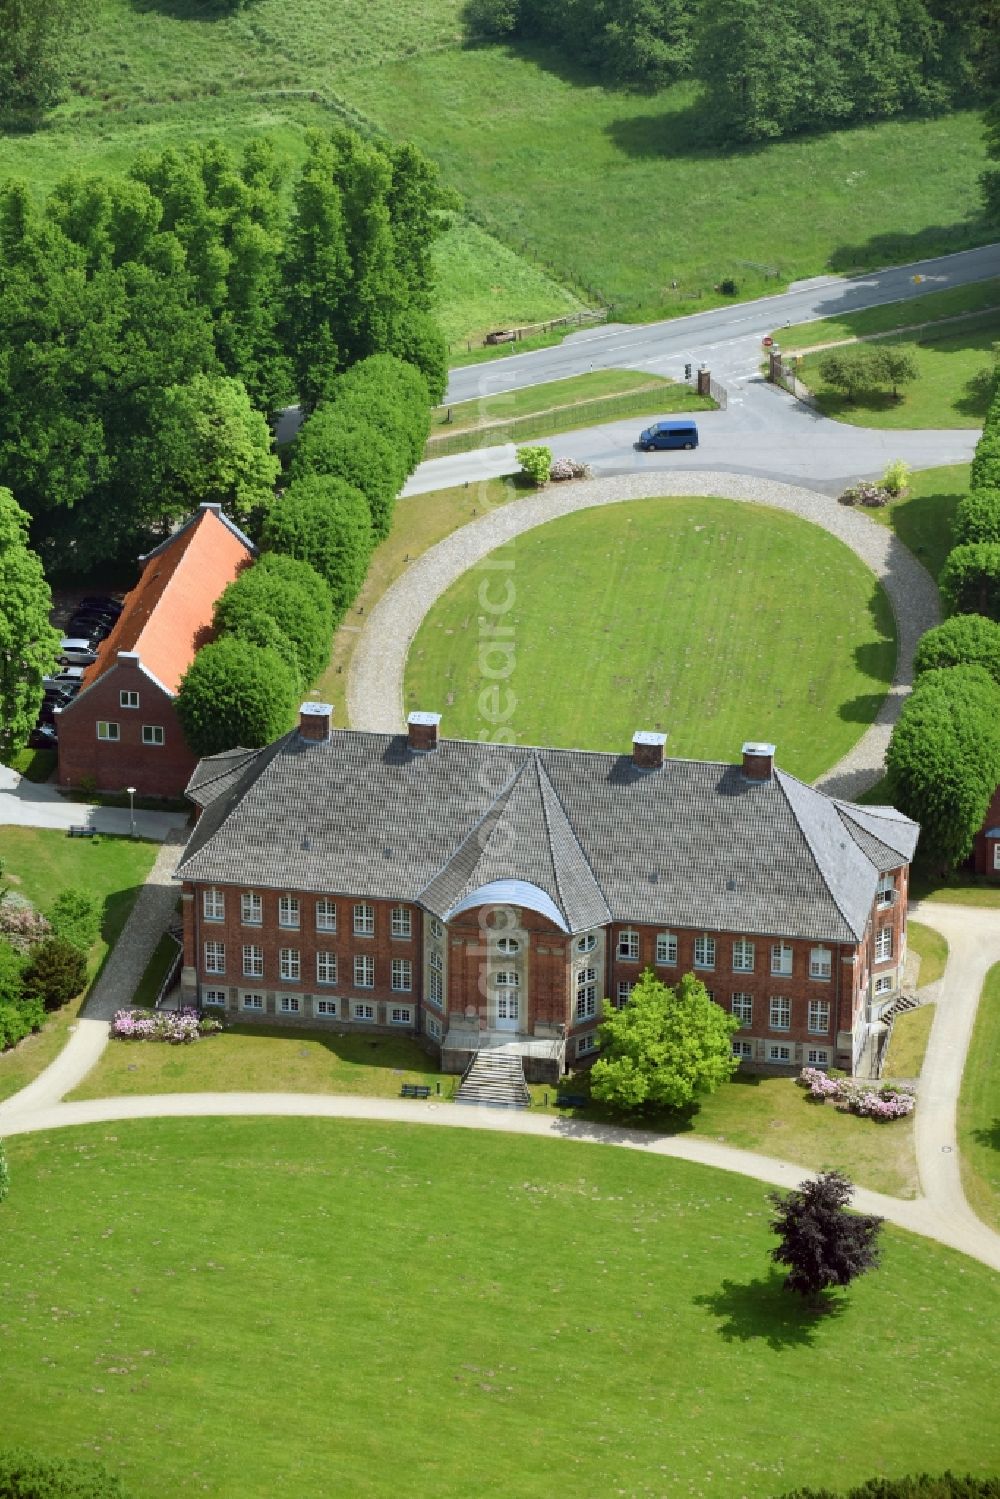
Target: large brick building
x=121 y=729
x=474 y=894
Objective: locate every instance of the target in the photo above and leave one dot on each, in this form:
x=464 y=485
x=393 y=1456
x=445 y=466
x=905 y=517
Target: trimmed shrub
x=76 y=916
x=943 y=760
x=963 y=640
x=178 y=1027
x=919 y=1486
x=23 y=1475
x=970 y=579
x=19 y=1019
x=985 y=471
x=262 y=631
x=977 y=517
x=536 y=463
x=236 y=694
x=896 y=477
x=56 y=973
x=292 y=594
x=326 y=523
x=418 y=339
x=360 y=453
x=385 y=384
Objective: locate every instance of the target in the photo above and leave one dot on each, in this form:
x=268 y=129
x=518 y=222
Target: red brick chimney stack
x=758 y=761
x=315 y=722
x=422 y=730
x=647 y=749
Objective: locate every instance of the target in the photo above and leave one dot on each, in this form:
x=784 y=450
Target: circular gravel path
x=375 y=683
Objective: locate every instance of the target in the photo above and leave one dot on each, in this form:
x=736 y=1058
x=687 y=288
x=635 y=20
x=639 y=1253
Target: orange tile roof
x=168 y=614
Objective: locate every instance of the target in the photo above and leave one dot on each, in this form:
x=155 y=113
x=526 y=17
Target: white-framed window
x=326 y=967
x=253 y=961
x=288 y=912
x=289 y=1004
x=215 y=957
x=128 y=700
x=290 y=964
x=401 y=922
x=152 y=733
x=214 y=997
x=743 y=955
x=364 y=920
x=996 y=854
x=587 y=1044
x=886 y=892
x=883 y=944
x=402 y=975
x=507 y=979
x=252 y=1002
x=781 y=1013
x=362 y=1012
x=781 y=958
x=432 y=1027
x=819 y=1016
x=401 y=1015
x=743 y=1008
x=508 y=946
x=818 y=1056
x=364 y=973
x=776 y=1053
x=108 y=731
x=326 y=1009
x=251 y=909
x=628 y=946
x=884 y=984
x=213 y=905
x=586 y=993
x=704 y=952
x=820 y=963
x=326 y=916
x=435 y=979
x=666 y=947
x=623 y=993
x=742 y=1049
x=586 y=943
x=436 y=929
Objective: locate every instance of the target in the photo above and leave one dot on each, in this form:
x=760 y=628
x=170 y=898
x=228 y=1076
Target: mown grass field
x=952 y=388
x=919 y=307
x=710 y=620
x=979 y=1108
x=392 y=1309
x=924 y=517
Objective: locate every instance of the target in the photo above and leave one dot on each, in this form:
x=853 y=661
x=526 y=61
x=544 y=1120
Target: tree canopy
x=294 y=596
x=25 y=1475
x=963 y=640
x=970 y=579
x=664 y=1047
x=236 y=694
x=326 y=523
x=822 y=1244
x=37 y=42
x=28 y=643
x=977 y=517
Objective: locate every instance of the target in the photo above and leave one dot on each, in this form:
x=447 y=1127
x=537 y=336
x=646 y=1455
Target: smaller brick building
x=121 y=729
x=986 y=849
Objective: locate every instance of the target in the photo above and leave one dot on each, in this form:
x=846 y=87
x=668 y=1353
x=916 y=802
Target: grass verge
x=381 y=1267
x=979 y=1108
x=924 y=518
x=713 y=620
x=932 y=950
x=914 y=310
x=910 y=1035
x=36 y=766
x=164 y=954
x=961 y=889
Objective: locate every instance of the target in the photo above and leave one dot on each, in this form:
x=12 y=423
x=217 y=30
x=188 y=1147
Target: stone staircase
x=494 y=1079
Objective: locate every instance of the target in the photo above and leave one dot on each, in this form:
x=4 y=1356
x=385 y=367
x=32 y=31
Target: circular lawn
x=258 y=1307
x=711 y=620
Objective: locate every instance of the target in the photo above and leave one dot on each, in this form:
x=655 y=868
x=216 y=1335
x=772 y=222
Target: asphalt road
x=725 y=338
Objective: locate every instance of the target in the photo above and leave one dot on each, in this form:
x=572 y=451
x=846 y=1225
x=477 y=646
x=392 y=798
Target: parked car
x=674 y=433
x=59 y=696
x=103 y=602
x=70 y=677
x=76 y=651
x=94 y=626
x=42 y=736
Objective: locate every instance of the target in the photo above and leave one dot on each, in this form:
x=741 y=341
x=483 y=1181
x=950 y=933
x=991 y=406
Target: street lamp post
x=131 y=810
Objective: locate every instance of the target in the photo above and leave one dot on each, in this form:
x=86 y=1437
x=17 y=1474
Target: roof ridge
x=781 y=776
x=190 y=529
x=576 y=839
x=539 y=772
x=224 y=806
x=492 y=810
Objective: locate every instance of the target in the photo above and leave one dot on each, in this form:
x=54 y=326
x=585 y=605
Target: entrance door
x=508 y=1010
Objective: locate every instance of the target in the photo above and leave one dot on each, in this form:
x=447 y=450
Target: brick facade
x=986 y=850
x=153 y=769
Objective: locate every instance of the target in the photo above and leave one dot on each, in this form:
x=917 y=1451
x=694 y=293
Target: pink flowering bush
x=818 y=1083
x=20 y=924
x=868 y=1100
x=175 y=1026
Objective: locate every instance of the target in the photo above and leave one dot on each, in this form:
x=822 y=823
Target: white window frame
x=818 y=1056
x=782 y=959
x=153 y=735
x=364 y=919
x=107 y=732
x=401 y=922
x=666 y=949
x=623 y=992
x=326 y=966
x=883 y=985
x=821 y=964
x=507 y=978
x=883 y=945
x=214 y=998
x=435 y=979
x=996 y=854
x=253 y=961
x=325 y=1009
x=363 y=1011
x=290 y=965
x=251 y=902
x=128 y=699
x=586 y=943
x=627 y=946
x=742 y=1049
x=436 y=929
x=289 y=1004
x=289 y=912
x=433 y=1027
x=742 y=1007
x=215 y=957
x=744 y=955
x=401 y=1015
x=253 y=1002
x=885 y=892
x=818 y=1017
x=213 y=904
x=586 y=993
x=508 y=946
x=326 y=916
x=779 y=1052
x=704 y=953
x=366 y=967
x=779 y=1013
x=587 y=1044
x=401 y=976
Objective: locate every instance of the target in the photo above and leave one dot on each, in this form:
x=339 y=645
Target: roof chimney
x=758 y=761
x=422 y=730
x=647 y=749
x=315 y=721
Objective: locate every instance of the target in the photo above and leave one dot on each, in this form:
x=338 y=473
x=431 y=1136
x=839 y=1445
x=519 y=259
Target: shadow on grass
x=191 y=10
x=988 y=1136
x=762 y=1309
x=901 y=249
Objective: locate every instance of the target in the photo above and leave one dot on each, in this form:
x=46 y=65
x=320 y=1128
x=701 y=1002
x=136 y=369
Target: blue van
x=676 y=433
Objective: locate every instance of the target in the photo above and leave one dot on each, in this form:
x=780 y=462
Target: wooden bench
x=415 y=1090
x=82 y=830
x=572 y=1101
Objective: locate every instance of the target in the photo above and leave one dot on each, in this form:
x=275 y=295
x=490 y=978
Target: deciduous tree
x=977 y=517
x=215 y=447
x=821 y=1242
x=970 y=579
x=326 y=523
x=287 y=596
x=56 y=972
x=28 y=643
x=236 y=694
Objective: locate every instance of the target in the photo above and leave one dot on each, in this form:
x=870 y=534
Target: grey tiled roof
x=693 y=844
